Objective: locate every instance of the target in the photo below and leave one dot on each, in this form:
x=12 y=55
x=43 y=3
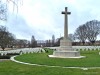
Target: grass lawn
x=11 y=68
x=92 y=59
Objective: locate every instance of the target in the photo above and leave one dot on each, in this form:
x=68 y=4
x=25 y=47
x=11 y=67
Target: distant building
x=41 y=43
x=22 y=43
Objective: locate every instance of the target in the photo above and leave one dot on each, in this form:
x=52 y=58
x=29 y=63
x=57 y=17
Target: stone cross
x=66 y=23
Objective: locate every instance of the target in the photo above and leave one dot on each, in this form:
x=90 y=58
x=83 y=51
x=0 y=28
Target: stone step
x=66 y=53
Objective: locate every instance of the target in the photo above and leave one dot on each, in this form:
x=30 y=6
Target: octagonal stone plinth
x=66 y=53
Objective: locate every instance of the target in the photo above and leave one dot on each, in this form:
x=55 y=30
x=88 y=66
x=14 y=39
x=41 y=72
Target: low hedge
x=13 y=53
x=8 y=55
x=5 y=57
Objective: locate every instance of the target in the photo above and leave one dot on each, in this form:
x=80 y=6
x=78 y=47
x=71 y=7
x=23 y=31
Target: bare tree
x=53 y=40
x=3 y=11
x=48 y=43
x=57 y=43
x=88 y=31
x=22 y=43
x=5 y=37
x=12 y=39
x=80 y=33
x=93 y=29
x=4 y=7
x=33 y=42
x=71 y=37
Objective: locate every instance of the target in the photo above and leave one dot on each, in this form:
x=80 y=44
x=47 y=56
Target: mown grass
x=12 y=68
x=92 y=59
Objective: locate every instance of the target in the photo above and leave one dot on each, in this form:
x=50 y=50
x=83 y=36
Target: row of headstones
x=28 y=51
x=78 y=48
x=22 y=51
x=87 y=49
x=25 y=49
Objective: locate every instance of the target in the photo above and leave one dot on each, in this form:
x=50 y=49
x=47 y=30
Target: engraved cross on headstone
x=66 y=23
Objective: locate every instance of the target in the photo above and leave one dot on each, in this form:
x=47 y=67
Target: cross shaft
x=66 y=23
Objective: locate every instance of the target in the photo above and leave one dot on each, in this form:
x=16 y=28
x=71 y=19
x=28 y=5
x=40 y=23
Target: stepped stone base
x=52 y=56
x=66 y=50
x=66 y=53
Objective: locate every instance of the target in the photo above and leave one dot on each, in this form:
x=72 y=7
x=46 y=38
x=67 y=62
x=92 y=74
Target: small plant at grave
x=93 y=49
x=85 y=49
x=47 y=50
x=80 y=49
x=88 y=49
x=77 y=49
x=21 y=52
x=97 y=49
x=41 y=51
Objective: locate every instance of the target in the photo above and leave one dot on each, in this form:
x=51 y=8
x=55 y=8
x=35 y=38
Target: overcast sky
x=43 y=18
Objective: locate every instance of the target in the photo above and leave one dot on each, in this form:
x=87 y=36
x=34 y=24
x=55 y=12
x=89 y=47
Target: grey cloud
x=18 y=25
x=81 y=12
